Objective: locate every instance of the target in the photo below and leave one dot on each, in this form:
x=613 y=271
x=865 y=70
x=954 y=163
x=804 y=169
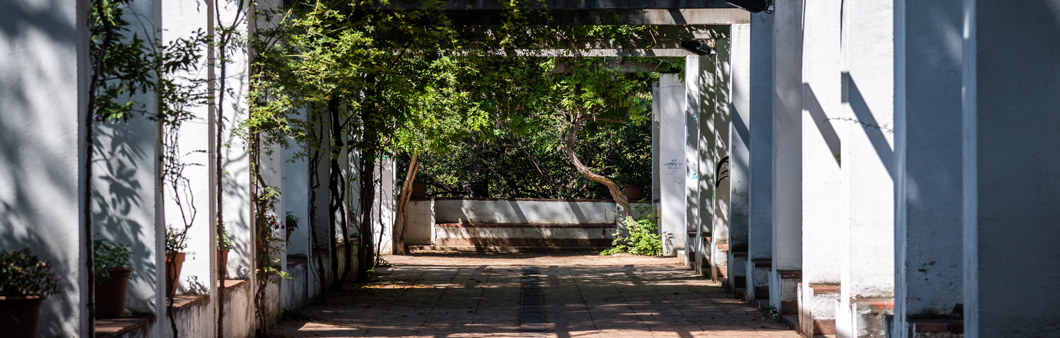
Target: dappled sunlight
x=581 y=296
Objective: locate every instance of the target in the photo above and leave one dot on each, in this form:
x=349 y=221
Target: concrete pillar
x=760 y=226
x=1010 y=168
x=739 y=158
x=656 y=112
x=868 y=160
x=824 y=217
x=719 y=183
x=698 y=80
x=928 y=164
x=385 y=205
x=787 y=140
x=43 y=75
x=671 y=169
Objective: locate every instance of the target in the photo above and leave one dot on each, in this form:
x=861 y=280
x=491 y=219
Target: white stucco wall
x=760 y=226
x=42 y=59
x=739 y=133
x=928 y=244
x=822 y=176
x=740 y=155
x=699 y=109
x=720 y=142
x=868 y=157
x=523 y=211
x=672 y=171
x=1010 y=169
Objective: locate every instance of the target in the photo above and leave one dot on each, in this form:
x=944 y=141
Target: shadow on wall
x=873 y=130
x=820 y=119
x=39 y=146
x=123 y=209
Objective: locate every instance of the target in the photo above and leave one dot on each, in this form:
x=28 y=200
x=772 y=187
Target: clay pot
x=19 y=316
x=110 y=293
x=419 y=190
x=289 y=231
x=634 y=192
x=174 y=261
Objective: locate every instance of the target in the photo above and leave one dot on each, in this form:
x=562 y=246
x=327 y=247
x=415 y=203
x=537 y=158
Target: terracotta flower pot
x=634 y=192
x=174 y=261
x=289 y=230
x=419 y=190
x=19 y=316
x=224 y=259
x=110 y=293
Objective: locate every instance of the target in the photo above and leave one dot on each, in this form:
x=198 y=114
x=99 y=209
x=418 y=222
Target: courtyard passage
x=532 y=295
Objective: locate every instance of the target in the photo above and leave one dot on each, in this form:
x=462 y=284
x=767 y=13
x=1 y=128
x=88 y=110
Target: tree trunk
x=403 y=205
x=569 y=142
x=365 y=250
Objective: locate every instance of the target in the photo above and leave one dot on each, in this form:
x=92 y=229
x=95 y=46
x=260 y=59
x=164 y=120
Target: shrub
x=23 y=274
x=643 y=238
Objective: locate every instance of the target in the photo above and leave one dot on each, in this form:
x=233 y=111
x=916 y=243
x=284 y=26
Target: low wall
x=431 y=221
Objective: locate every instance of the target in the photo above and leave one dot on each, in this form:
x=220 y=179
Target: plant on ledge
x=112 y=273
x=25 y=281
x=644 y=238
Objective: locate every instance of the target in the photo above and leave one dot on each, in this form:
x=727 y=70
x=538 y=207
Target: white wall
x=868 y=158
x=740 y=143
x=523 y=211
x=927 y=117
x=672 y=171
x=787 y=151
x=1010 y=169
x=760 y=226
x=42 y=73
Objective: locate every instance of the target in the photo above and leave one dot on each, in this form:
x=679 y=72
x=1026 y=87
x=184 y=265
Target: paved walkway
x=580 y=296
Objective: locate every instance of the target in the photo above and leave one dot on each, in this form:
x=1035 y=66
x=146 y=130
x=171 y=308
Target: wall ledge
x=115 y=327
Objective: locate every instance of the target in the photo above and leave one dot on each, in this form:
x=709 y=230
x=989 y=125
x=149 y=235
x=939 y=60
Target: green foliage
x=291 y=221
x=23 y=274
x=176 y=240
x=224 y=239
x=643 y=239
x=109 y=255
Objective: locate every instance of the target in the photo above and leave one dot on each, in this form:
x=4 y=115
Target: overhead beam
x=570 y=5
x=588 y=17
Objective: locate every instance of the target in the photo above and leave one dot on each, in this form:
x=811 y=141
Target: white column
x=656 y=112
x=384 y=207
x=671 y=169
x=760 y=227
x=43 y=75
x=698 y=78
x=1011 y=168
x=720 y=141
x=740 y=153
x=868 y=159
x=823 y=214
x=928 y=163
x=787 y=138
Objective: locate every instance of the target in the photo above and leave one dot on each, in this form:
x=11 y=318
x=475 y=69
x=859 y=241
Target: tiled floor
x=582 y=296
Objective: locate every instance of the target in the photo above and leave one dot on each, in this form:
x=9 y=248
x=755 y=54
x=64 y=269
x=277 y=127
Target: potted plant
x=112 y=277
x=175 y=245
x=292 y=223
x=224 y=241
x=25 y=281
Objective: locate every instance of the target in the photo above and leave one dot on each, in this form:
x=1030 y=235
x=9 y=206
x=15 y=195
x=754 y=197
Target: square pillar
x=760 y=226
x=928 y=194
x=698 y=79
x=719 y=183
x=868 y=160
x=739 y=155
x=1010 y=168
x=787 y=140
x=824 y=217
x=672 y=163
x=42 y=136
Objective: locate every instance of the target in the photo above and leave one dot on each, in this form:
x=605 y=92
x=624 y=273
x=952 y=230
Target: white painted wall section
x=672 y=171
x=787 y=152
x=740 y=143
